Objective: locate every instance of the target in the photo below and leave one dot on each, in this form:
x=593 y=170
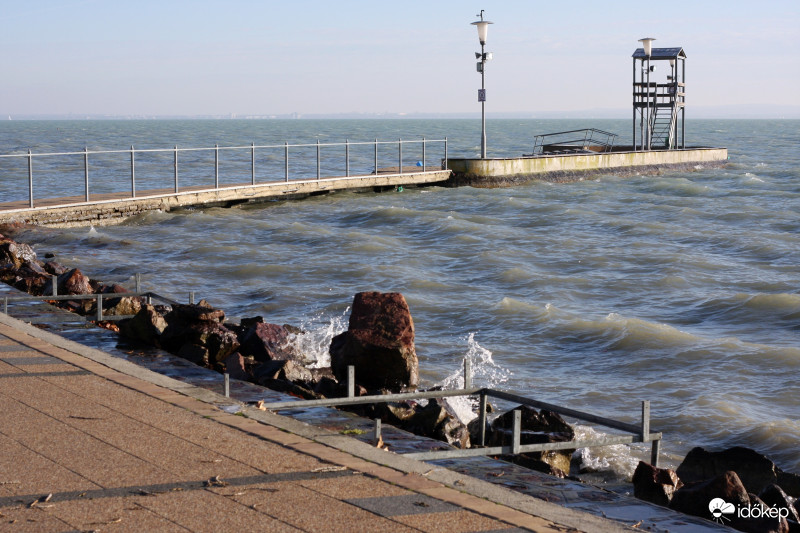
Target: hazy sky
x=246 y=57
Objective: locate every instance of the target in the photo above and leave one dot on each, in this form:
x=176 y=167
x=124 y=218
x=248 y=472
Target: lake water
x=681 y=288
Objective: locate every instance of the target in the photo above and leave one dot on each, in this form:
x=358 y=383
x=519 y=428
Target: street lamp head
x=483 y=28
x=647 y=44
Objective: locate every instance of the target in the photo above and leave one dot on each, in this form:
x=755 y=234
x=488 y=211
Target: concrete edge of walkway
x=459 y=483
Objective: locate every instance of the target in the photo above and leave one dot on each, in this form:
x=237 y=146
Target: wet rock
x=284 y=370
x=266 y=342
x=537 y=427
x=655 y=485
x=694 y=498
x=773 y=495
x=202 y=311
x=235 y=367
x=14 y=254
x=379 y=342
x=789 y=482
x=146 y=327
x=533 y=462
x=51 y=267
x=754 y=469
x=760 y=519
x=195 y=353
x=70 y=282
x=432 y=420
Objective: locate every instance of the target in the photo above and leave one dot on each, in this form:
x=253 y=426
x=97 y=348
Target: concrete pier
x=576 y=166
x=115 y=207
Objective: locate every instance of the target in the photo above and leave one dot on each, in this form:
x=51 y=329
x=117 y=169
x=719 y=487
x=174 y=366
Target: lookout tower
x=659 y=106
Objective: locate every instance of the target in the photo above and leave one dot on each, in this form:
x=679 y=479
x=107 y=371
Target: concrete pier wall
x=573 y=167
x=111 y=208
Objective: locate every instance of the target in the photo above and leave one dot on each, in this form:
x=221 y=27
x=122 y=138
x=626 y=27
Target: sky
x=245 y=58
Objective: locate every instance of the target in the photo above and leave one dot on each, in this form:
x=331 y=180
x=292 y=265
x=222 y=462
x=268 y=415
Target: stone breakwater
x=379 y=342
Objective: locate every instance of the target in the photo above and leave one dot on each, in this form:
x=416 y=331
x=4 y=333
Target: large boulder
x=379 y=342
x=754 y=469
x=655 y=485
x=431 y=420
x=694 y=498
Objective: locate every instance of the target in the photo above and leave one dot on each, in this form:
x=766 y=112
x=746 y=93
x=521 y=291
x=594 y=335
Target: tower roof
x=661 y=53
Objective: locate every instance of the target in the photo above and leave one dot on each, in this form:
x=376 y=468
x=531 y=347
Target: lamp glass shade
x=483 y=29
x=647 y=44
x=672 y=62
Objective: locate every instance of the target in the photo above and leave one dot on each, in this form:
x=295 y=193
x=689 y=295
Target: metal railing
x=635 y=433
x=344 y=166
x=574 y=141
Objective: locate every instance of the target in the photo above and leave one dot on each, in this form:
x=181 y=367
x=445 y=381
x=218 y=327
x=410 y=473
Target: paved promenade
x=91 y=442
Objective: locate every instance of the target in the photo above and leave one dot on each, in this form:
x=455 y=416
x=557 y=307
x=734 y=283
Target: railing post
x=654 y=452
x=482 y=417
x=138 y=282
x=400 y=155
x=227 y=380
x=176 y=168
x=317 y=158
x=86 y=170
x=467 y=373
x=5 y=305
x=376 y=436
x=216 y=166
x=423 y=153
x=191 y=297
x=253 y=163
x=286 y=160
x=445 y=153
x=54 y=280
x=516 y=432
x=347 y=157
x=351 y=381
x=376 y=159
x=30 y=177
x=645 y=420
x=99 y=307
x=133 y=174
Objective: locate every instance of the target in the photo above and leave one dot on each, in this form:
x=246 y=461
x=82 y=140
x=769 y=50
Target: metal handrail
x=85 y=153
x=636 y=433
x=582 y=142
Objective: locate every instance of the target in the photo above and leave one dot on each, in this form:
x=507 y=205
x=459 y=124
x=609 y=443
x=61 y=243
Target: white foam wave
x=615 y=461
x=315 y=340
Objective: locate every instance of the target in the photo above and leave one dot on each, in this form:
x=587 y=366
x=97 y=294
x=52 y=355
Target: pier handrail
x=578 y=142
x=251 y=148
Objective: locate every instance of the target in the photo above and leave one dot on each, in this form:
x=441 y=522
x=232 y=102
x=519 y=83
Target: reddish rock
x=266 y=342
x=379 y=342
x=283 y=370
x=655 y=485
x=70 y=282
x=194 y=353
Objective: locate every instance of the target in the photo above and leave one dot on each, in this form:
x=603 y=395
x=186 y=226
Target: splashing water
x=485 y=372
x=604 y=463
x=316 y=336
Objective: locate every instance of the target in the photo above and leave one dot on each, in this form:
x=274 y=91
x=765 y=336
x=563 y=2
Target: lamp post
x=483 y=57
x=647 y=44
